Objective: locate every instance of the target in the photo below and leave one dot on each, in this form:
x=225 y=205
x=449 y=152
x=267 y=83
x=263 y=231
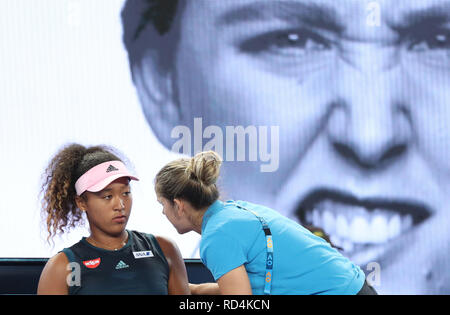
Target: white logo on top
x=143 y=254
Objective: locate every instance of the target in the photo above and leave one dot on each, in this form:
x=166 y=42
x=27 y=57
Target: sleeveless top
x=139 y=267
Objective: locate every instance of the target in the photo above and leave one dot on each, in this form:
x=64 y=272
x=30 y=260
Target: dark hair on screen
x=140 y=14
x=160 y=13
x=151 y=26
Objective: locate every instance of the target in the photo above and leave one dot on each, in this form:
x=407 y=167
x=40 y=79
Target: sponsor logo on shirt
x=121 y=265
x=93 y=263
x=143 y=254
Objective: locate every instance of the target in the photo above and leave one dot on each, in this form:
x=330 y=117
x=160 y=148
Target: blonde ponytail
x=193 y=179
x=205 y=167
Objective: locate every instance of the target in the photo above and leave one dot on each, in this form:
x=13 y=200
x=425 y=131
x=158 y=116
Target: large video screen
x=334 y=113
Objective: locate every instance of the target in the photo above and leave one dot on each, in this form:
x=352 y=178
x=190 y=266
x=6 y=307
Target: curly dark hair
x=58 y=188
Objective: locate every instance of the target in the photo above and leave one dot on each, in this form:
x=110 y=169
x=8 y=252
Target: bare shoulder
x=53 y=276
x=178 y=279
x=168 y=246
x=57 y=263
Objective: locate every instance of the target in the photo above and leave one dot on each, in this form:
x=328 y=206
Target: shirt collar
x=212 y=209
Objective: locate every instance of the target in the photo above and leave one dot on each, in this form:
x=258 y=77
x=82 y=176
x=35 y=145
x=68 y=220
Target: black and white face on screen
x=334 y=113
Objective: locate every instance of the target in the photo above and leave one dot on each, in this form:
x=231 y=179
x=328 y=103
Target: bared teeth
x=351 y=225
x=379 y=228
x=328 y=221
x=360 y=230
x=342 y=228
x=395 y=225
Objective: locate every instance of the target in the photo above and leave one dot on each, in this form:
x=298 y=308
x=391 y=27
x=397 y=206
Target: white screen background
x=64 y=78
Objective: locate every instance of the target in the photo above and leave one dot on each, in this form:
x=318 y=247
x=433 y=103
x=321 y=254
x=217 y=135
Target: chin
x=118 y=230
x=182 y=231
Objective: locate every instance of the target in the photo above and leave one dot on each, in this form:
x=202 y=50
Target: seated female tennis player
x=112 y=260
x=249 y=248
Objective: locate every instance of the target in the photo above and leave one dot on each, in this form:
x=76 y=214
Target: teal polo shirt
x=303 y=263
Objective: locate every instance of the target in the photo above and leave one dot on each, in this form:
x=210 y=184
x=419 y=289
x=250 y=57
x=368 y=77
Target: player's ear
x=151 y=52
x=155 y=85
x=81 y=203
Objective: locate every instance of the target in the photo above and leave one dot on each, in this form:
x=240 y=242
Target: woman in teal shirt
x=249 y=248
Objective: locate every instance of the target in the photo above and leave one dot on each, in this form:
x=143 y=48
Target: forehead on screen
x=330 y=14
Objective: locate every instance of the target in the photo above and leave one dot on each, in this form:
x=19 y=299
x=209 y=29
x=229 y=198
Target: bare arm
x=235 y=282
x=178 y=280
x=204 y=288
x=53 y=278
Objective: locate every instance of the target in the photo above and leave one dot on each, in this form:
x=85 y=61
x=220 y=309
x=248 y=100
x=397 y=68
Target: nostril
x=349 y=155
x=393 y=152
x=372 y=161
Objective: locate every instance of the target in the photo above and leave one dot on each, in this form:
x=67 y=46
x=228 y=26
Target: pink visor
x=101 y=176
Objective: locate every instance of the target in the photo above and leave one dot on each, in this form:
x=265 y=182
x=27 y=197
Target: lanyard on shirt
x=269 y=248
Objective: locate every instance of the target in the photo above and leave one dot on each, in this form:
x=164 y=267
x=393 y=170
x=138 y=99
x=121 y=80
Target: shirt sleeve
x=222 y=253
